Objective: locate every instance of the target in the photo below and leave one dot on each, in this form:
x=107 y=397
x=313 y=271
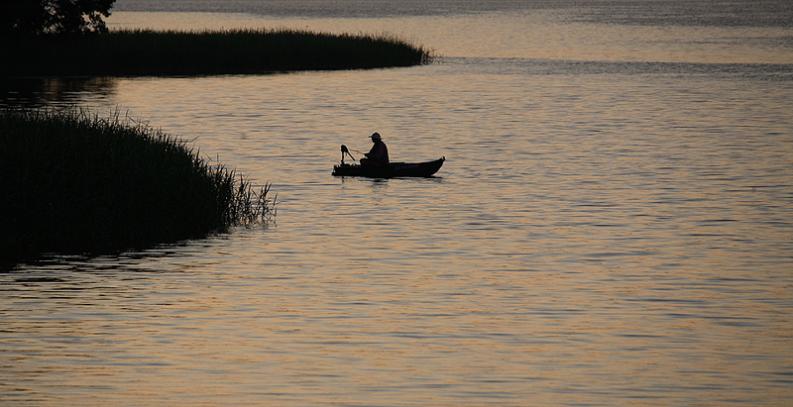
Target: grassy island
x=77 y=183
x=144 y=52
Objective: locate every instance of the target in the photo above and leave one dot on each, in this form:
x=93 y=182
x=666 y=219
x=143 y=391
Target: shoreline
x=76 y=183
x=203 y=53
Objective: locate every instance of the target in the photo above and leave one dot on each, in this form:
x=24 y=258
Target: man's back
x=378 y=153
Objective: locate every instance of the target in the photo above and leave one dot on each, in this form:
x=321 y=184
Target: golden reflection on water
x=586 y=243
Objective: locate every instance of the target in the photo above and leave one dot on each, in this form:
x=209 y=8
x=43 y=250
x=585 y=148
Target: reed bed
x=79 y=183
x=146 y=52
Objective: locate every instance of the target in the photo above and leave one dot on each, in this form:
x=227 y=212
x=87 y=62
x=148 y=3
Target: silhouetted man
x=378 y=155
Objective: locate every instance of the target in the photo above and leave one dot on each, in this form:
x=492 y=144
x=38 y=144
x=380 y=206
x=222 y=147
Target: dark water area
x=40 y=92
x=762 y=72
x=613 y=224
x=731 y=13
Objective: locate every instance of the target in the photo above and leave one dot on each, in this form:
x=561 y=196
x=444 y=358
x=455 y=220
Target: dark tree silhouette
x=53 y=16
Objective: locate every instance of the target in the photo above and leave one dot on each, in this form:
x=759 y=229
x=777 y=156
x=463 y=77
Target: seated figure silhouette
x=378 y=155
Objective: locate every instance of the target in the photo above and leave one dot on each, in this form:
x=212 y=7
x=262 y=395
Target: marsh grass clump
x=79 y=183
x=146 y=52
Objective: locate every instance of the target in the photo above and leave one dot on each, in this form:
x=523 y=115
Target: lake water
x=613 y=224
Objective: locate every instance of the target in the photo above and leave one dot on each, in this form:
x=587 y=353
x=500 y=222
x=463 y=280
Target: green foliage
x=75 y=183
x=53 y=16
x=210 y=52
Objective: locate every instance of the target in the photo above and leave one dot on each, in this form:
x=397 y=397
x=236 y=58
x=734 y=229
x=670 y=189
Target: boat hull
x=392 y=170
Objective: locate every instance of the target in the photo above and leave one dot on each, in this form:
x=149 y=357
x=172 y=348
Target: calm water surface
x=613 y=225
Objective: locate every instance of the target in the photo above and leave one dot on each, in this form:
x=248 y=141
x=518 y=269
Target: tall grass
x=71 y=182
x=144 y=52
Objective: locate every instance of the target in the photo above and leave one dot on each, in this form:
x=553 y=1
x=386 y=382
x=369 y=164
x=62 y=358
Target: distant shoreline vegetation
x=75 y=183
x=146 y=52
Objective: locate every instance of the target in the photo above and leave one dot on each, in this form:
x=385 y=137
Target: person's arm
x=372 y=152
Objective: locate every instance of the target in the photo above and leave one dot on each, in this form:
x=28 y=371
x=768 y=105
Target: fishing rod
x=357 y=151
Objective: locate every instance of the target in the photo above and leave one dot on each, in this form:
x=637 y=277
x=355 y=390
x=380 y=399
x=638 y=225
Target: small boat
x=425 y=169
